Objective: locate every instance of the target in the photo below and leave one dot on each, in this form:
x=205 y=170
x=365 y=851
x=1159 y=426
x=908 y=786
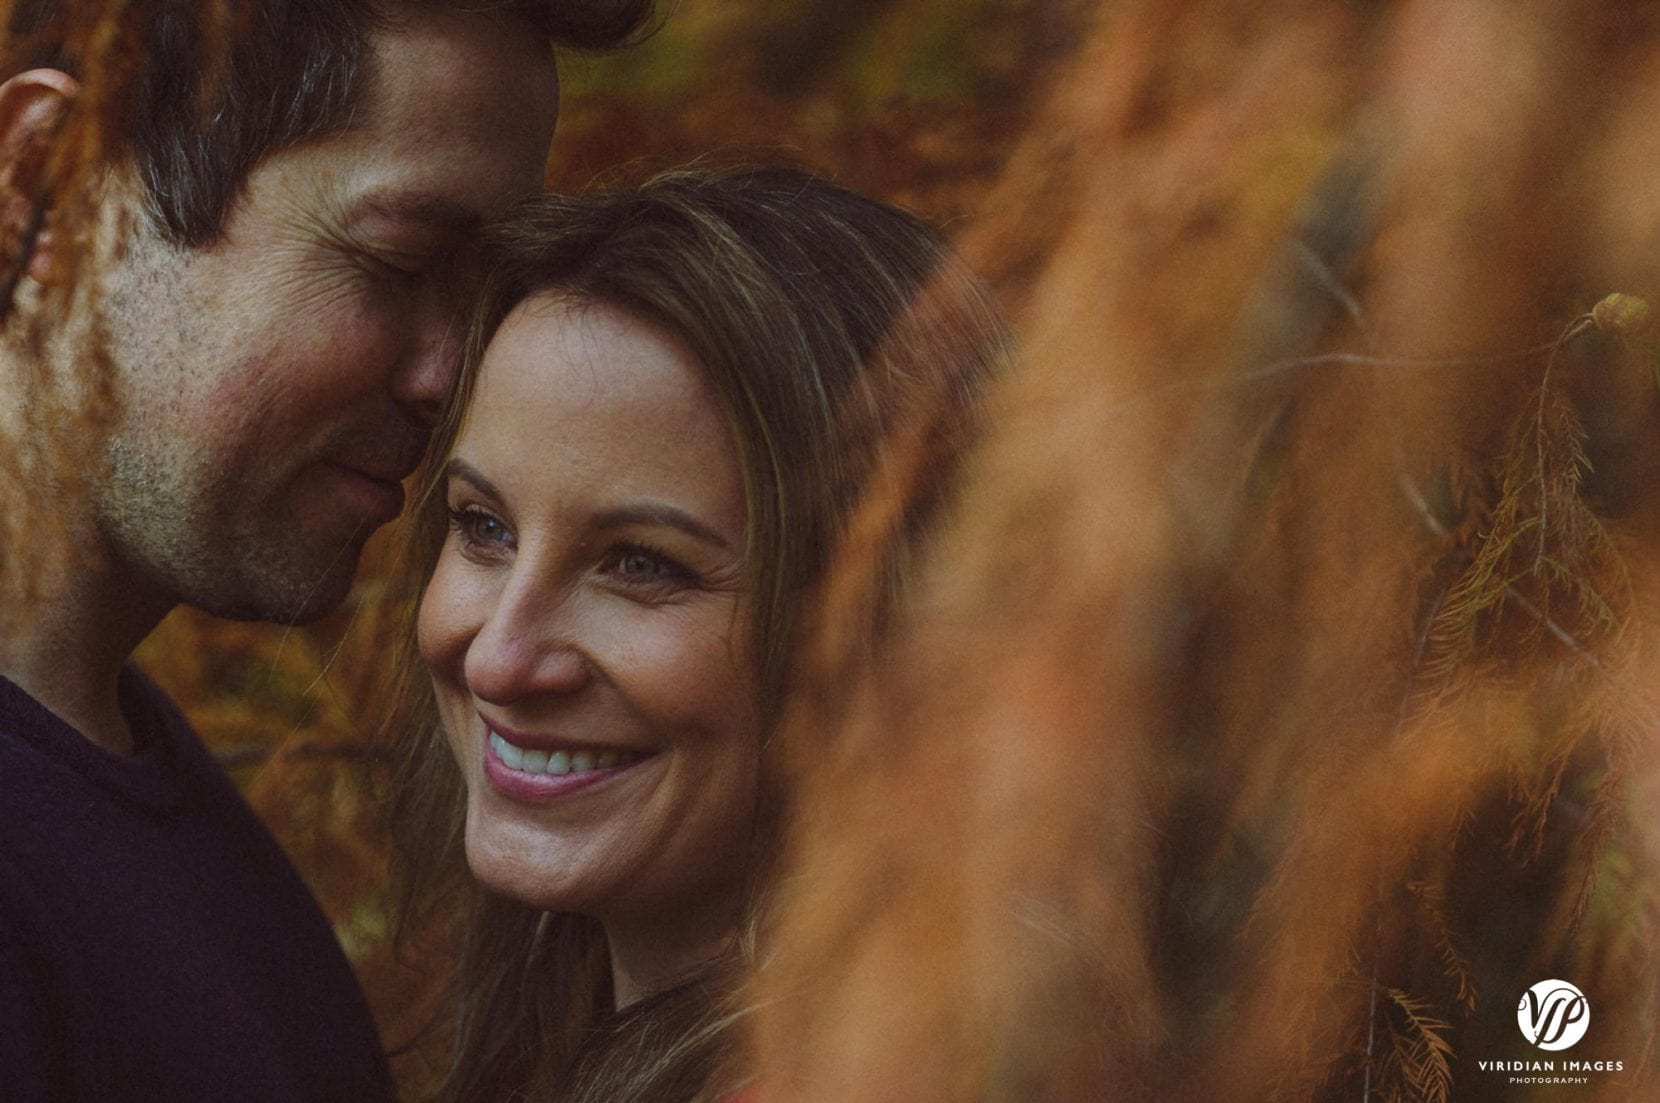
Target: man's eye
x=401 y=269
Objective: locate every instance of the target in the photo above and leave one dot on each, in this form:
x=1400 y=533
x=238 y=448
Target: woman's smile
x=540 y=768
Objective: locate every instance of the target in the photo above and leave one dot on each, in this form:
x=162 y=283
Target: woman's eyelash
x=478 y=528
x=637 y=562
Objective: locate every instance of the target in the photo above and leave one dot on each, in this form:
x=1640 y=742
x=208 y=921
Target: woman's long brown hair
x=836 y=331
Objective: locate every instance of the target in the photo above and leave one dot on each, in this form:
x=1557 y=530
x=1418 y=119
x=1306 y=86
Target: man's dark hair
x=296 y=73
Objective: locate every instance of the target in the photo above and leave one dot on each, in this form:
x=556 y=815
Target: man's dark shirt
x=155 y=943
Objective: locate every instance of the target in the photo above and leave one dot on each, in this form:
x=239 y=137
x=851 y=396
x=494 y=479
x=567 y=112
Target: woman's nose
x=527 y=647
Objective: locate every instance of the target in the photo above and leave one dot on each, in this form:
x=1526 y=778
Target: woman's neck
x=647 y=957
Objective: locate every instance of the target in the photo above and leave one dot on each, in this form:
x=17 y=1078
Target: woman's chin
x=527 y=871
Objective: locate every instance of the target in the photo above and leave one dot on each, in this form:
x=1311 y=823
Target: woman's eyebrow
x=460 y=469
x=654 y=513
x=660 y=514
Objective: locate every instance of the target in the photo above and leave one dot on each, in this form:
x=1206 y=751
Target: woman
x=637 y=483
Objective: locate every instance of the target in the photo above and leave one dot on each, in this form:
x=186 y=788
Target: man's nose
x=422 y=380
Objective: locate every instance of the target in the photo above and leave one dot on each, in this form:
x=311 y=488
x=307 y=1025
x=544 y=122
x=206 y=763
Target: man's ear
x=32 y=104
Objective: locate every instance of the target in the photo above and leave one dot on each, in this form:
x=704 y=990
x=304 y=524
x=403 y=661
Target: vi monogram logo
x=1553 y=1014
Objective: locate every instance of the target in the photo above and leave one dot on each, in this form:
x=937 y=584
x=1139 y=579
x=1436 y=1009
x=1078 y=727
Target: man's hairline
x=386 y=17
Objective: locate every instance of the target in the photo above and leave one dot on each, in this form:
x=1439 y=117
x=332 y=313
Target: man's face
x=276 y=386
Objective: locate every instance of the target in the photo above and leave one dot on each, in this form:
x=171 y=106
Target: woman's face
x=588 y=631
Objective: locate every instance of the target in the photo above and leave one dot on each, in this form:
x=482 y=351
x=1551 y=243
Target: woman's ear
x=32 y=104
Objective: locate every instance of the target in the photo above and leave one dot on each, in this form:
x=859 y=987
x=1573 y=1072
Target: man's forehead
x=440 y=59
x=456 y=118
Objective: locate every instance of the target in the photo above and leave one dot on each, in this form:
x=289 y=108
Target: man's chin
x=280 y=593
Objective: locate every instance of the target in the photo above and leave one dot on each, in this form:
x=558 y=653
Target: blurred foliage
x=1284 y=707
x=917 y=101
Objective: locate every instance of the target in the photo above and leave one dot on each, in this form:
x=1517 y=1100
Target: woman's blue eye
x=478 y=529
x=641 y=563
x=644 y=566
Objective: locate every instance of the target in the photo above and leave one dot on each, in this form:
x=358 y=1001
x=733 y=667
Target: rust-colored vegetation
x=43 y=428
x=1280 y=705
x=1280 y=708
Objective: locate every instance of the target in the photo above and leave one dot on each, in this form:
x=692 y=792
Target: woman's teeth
x=558 y=762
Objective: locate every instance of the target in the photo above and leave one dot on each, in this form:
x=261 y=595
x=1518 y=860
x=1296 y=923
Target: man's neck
x=67 y=647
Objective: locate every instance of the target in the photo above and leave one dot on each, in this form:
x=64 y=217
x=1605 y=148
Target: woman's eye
x=640 y=563
x=478 y=529
x=642 y=566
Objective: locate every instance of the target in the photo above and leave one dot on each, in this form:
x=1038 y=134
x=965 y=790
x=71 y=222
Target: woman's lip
x=521 y=785
x=532 y=741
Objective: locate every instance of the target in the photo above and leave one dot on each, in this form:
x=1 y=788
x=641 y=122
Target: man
x=280 y=325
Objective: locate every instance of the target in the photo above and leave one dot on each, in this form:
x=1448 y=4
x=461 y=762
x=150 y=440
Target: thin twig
x=1333 y=286
x=1431 y=522
x=1372 y=1015
x=1575 y=328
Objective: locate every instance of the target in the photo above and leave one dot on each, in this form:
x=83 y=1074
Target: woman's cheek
x=440 y=628
x=441 y=637
x=685 y=666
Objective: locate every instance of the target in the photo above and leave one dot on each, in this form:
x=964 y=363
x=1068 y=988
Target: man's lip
x=383 y=497
x=535 y=741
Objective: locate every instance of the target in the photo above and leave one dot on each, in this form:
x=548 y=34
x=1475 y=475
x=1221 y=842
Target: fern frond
x=1527 y=837
x=1593 y=841
x=1539 y=571
x=1455 y=966
x=1422 y=1054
